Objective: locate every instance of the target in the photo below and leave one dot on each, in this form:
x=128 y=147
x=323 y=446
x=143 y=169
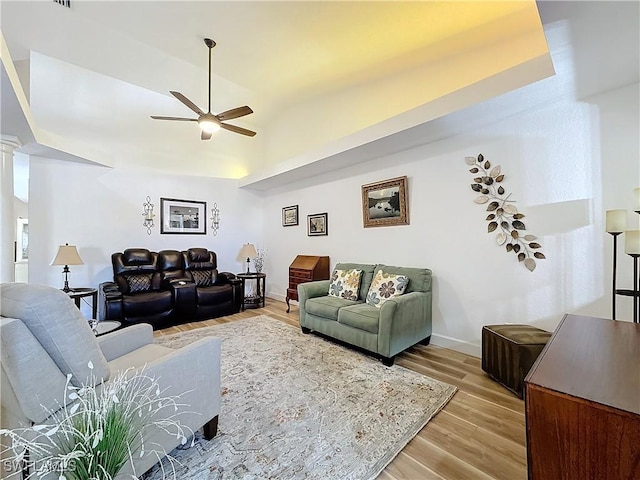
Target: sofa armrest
x=404 y=320
x=125 y=340
x=307 y=290
x=227 y=277
x=109 y=301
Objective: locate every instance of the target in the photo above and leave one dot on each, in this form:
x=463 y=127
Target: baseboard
x=457 y=345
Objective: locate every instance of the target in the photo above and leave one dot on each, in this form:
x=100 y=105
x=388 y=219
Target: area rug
x=298 y=406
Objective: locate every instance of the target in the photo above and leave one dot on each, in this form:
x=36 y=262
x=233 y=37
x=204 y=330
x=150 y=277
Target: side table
x=78 y=293
x=105 y=326
x=258 y=299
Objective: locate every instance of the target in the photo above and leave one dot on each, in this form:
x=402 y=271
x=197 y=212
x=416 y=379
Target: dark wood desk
x=582 y=402
x=79 y=293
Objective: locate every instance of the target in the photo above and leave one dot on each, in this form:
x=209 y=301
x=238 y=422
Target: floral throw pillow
x=345 y=284
x=386 y=286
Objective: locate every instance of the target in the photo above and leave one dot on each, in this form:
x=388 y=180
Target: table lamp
x=249 y=251
x=67 y=255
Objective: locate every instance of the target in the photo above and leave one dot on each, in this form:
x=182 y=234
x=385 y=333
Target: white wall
x=564 y=163
x=100 y=210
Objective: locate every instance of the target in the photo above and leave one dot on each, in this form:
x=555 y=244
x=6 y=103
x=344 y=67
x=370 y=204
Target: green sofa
x=398 y=324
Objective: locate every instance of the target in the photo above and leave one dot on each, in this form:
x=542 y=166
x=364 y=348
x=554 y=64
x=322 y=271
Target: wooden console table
x=305 y=268
x=582 y=402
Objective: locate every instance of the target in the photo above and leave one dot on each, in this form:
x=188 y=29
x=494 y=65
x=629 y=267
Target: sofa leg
x=425 y=341
x=211 y=428
x=388 y=361
x=305 y=330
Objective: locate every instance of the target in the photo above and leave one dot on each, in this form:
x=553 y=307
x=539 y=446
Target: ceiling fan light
x=209 y=126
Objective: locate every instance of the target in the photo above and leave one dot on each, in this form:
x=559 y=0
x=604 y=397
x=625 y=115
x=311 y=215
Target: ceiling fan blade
x=205 y=135
x=233 y=128
x=181 y=119
x=234 y=113
x=187 y=102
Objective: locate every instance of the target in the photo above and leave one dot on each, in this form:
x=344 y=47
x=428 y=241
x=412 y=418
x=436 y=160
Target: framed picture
x=317 y=224
x=290 y=216
x=385 y=203
x=183 y=216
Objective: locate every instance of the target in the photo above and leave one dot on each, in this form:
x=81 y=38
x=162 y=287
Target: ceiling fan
x=208 y=122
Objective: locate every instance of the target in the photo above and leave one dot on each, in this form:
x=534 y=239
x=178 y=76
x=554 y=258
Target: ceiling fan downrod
x=209 y=43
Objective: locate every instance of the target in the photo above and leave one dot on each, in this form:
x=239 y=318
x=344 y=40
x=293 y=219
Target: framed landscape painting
x=317 y=224
x=290 y=216
x=385 y=203
x=183 y=216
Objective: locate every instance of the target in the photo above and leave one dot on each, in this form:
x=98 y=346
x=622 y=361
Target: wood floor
x=480 y=433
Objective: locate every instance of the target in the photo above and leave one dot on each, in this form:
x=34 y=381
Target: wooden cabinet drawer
x=304 y=274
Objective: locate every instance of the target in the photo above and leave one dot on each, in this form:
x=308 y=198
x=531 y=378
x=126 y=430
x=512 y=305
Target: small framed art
x=290 y=216
x=183 y=216
x=385 y=203
x=317 y=224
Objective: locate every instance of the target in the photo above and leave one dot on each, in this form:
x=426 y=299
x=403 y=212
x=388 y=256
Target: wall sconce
x=616 y=224
x=215 y=219
x=148 y=215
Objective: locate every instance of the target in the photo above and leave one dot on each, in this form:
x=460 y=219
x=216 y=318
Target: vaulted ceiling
x=323 y=77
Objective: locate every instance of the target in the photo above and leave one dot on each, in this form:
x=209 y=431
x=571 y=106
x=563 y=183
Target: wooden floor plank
x=480 y=433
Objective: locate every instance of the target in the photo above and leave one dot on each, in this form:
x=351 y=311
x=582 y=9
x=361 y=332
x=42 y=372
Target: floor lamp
x=632 y=248
x=616 y=221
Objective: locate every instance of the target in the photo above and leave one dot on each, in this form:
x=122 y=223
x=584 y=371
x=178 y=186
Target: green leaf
x=492 y=226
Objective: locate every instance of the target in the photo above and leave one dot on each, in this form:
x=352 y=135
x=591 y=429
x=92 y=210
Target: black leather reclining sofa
x=167 y=287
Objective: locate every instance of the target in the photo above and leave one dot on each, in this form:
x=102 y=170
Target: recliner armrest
x=227 y=277
x=125 y=340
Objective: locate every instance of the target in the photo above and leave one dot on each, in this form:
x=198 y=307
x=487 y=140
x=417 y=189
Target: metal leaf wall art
x=503 y=216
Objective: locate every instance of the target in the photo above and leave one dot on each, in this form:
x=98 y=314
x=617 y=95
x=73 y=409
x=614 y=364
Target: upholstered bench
x=509 y=351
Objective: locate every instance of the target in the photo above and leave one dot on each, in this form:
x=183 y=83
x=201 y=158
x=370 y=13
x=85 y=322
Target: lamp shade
x=67 y=255
x=248 y=251
x=632 y=242
x=616 y=221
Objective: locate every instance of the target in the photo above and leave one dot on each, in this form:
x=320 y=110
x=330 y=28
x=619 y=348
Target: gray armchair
x=44 y=337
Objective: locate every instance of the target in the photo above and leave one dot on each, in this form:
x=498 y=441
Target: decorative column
x=8 y=144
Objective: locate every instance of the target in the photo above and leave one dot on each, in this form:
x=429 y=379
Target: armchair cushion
x=58 y=325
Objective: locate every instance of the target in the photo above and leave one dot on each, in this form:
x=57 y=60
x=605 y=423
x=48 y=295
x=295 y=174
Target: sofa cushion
x=419 y=278
x=148 y=303
x=326 y=307
x=215 y=294
x=367 y=275
x=362 y=316
x=385 y=286
x=202 y=278
x=140 y=282
x=345 y=284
